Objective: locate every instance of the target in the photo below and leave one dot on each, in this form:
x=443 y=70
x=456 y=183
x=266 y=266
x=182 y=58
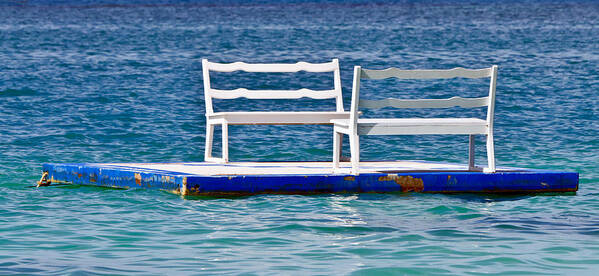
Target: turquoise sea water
x=120 y=81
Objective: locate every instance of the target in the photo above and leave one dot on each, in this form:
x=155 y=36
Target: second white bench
x=355 y=127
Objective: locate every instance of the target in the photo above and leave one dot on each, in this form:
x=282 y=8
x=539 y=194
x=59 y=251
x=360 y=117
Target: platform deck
x=242 y=178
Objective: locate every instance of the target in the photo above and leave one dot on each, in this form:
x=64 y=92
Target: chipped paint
x=407 y=183
x=349 y=178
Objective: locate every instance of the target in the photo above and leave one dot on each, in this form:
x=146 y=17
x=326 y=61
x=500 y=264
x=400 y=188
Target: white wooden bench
x=267 y=117
x=354 y=127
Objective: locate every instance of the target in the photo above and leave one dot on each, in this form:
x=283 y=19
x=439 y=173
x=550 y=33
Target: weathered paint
x=514 y=181
x=84 y=174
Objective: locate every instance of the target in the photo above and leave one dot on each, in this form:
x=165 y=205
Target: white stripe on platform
x=279 y=168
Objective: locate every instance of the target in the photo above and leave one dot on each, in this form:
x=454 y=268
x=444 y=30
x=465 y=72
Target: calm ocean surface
x=121 y=81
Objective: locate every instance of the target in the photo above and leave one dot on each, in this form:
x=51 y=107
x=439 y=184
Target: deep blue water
x=120 y=81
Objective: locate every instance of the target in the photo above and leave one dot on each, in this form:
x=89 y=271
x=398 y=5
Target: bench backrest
x=210 y=93
x=489 y=100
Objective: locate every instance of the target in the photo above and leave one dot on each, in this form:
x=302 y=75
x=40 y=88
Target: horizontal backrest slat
x=332 y=67
x=272 y=94
x=273 y=67
x=426 y=103
x=425 y=74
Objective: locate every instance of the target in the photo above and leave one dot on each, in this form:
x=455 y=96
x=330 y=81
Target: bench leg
x=225 y=129
x=337 y=138
x=354 y=144
x=210 y=143
x=490 y=153
x=209 y=140
x=471 y=153
x=341 y=147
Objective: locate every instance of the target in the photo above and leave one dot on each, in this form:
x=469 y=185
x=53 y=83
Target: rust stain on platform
x=183 y=188
x=407 y=183
x=138 y=179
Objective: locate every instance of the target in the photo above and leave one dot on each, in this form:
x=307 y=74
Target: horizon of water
x=120 y=81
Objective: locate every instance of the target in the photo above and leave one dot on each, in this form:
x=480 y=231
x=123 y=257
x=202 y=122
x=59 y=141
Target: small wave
x=17 y=92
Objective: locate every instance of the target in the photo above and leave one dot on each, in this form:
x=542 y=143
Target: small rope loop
x=44 y=180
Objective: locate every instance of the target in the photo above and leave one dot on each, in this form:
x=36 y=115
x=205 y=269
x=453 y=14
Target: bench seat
x=278 y=118
x=413 y=126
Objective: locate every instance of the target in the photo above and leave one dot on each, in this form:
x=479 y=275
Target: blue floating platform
x=244 y=178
